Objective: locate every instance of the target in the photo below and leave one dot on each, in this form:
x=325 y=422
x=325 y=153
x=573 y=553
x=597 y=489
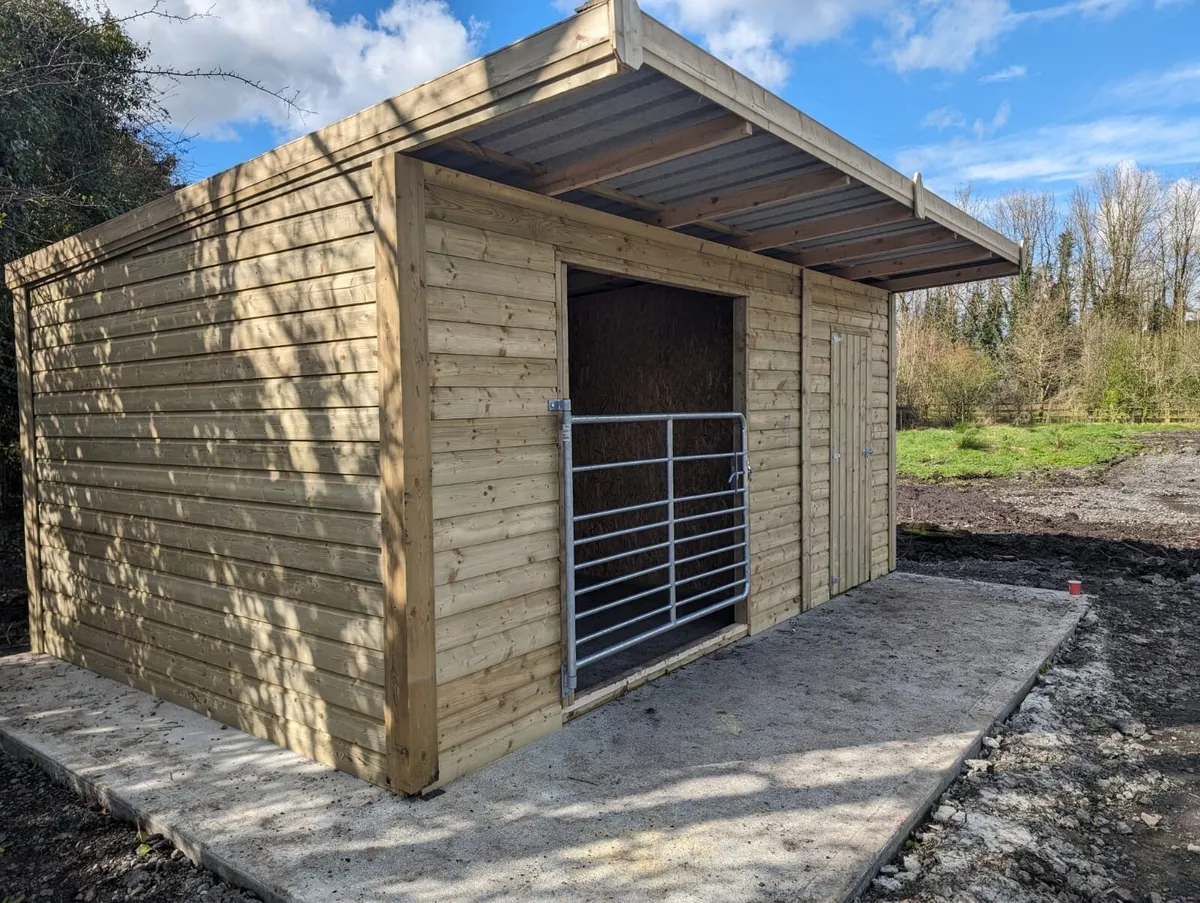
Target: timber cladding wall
x=837 y=305
x=205 y=426
x=205 y=435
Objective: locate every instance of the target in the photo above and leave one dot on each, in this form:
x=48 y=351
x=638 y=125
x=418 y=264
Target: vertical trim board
x=806 y=463
x=29 y=490
x=406 y=475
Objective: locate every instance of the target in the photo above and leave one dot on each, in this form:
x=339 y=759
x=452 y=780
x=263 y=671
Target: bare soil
x=1091 y=790
x=55 y=847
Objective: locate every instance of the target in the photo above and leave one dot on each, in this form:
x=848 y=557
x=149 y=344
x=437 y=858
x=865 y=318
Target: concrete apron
x=787 y=767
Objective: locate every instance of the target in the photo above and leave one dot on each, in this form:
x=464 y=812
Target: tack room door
x=850 y=461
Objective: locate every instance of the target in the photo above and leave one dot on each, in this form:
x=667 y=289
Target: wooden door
x=850 y=462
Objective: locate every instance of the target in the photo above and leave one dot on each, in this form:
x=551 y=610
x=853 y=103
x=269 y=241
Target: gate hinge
x=566 y=682
x=558 y=405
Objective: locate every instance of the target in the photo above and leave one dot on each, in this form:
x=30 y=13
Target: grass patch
x=993 y=451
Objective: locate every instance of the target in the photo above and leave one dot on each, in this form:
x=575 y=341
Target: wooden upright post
x=806 y=513
x=405 y=475
x=29 y=492
x=893 y=302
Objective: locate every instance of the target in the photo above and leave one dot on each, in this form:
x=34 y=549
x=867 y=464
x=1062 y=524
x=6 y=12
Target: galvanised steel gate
x=675 y=546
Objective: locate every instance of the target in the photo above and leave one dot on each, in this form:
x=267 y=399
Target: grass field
x=991 y=451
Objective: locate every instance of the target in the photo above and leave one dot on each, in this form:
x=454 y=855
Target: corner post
x=405 y=475
x=625 y=27
x=893 y=303
x=806 y=516
x=29 y=490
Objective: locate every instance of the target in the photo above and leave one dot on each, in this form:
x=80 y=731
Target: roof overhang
x=612 y=110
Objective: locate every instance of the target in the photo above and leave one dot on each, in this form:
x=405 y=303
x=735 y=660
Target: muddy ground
x=1091 y=790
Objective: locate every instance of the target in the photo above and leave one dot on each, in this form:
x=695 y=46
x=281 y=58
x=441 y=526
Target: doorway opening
x=659 y=530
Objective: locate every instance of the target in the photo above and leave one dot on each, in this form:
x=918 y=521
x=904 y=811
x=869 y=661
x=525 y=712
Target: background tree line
x=1102 y=324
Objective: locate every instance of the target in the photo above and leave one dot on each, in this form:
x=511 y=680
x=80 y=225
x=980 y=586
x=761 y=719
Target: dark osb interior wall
x=648 y=349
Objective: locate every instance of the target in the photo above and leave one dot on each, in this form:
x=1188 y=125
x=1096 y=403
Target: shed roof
x=612 y=110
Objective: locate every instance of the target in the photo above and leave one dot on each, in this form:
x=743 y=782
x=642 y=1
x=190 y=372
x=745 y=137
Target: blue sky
x=1001 y=93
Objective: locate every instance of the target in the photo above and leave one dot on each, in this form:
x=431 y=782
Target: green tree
x=78 y=144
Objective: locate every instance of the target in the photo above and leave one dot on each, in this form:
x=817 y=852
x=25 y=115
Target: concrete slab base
x=785 y=767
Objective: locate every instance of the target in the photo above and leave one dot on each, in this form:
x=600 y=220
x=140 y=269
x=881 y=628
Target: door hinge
x=868 y=451
x=833 y=581
x=835 y=456
x=834 y=338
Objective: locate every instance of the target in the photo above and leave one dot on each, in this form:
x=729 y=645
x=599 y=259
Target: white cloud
x=1057 y=153
x=981 y=129
x=944 y=118
x=759 y=36
x=1007 y=74
x=1177 y=87
x=334 y=68
x=947 y=34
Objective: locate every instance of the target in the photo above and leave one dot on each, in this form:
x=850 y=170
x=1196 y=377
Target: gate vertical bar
x=568 y=493
x=746 y=497
x=671 y=518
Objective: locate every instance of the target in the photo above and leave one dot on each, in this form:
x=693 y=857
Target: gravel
x=1090 y=790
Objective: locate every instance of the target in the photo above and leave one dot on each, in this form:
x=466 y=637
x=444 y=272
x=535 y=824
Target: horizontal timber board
x=299 y=709
x=462 y=563
x=476 y=592
x=350 y=356
x=349 y=693
x=105 y=583
x=317 y=293
x=450 y=468
x=304 y=392
x=333 y=324
x=355 y=562
x=489 y=309
x=447 y=337
x=333 y=424
x=304 y=740
x=458 y=240
x=315 y=491
x=481 y=276
x=345 y=256
x=457 y=370
x=361 y=458
x=271 y=579
x=328 y=526
x=493 y=526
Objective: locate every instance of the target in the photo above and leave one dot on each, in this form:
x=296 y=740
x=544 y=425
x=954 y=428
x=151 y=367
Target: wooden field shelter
x=297 y=447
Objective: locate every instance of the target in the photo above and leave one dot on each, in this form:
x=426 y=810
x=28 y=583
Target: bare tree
x=1179 y=243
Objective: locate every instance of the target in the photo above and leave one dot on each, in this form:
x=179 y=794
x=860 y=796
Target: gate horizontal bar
x=629 y=553
x=621 y=579
x=659 y=631
x=608 y=606
x=723 y=530
x=650 y=418
x=615 y=533
x=611 y=511
x=666 y=609
x=612 y=465
x=740 y=545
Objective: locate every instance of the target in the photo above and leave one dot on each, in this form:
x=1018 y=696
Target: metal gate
x=673 y=550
